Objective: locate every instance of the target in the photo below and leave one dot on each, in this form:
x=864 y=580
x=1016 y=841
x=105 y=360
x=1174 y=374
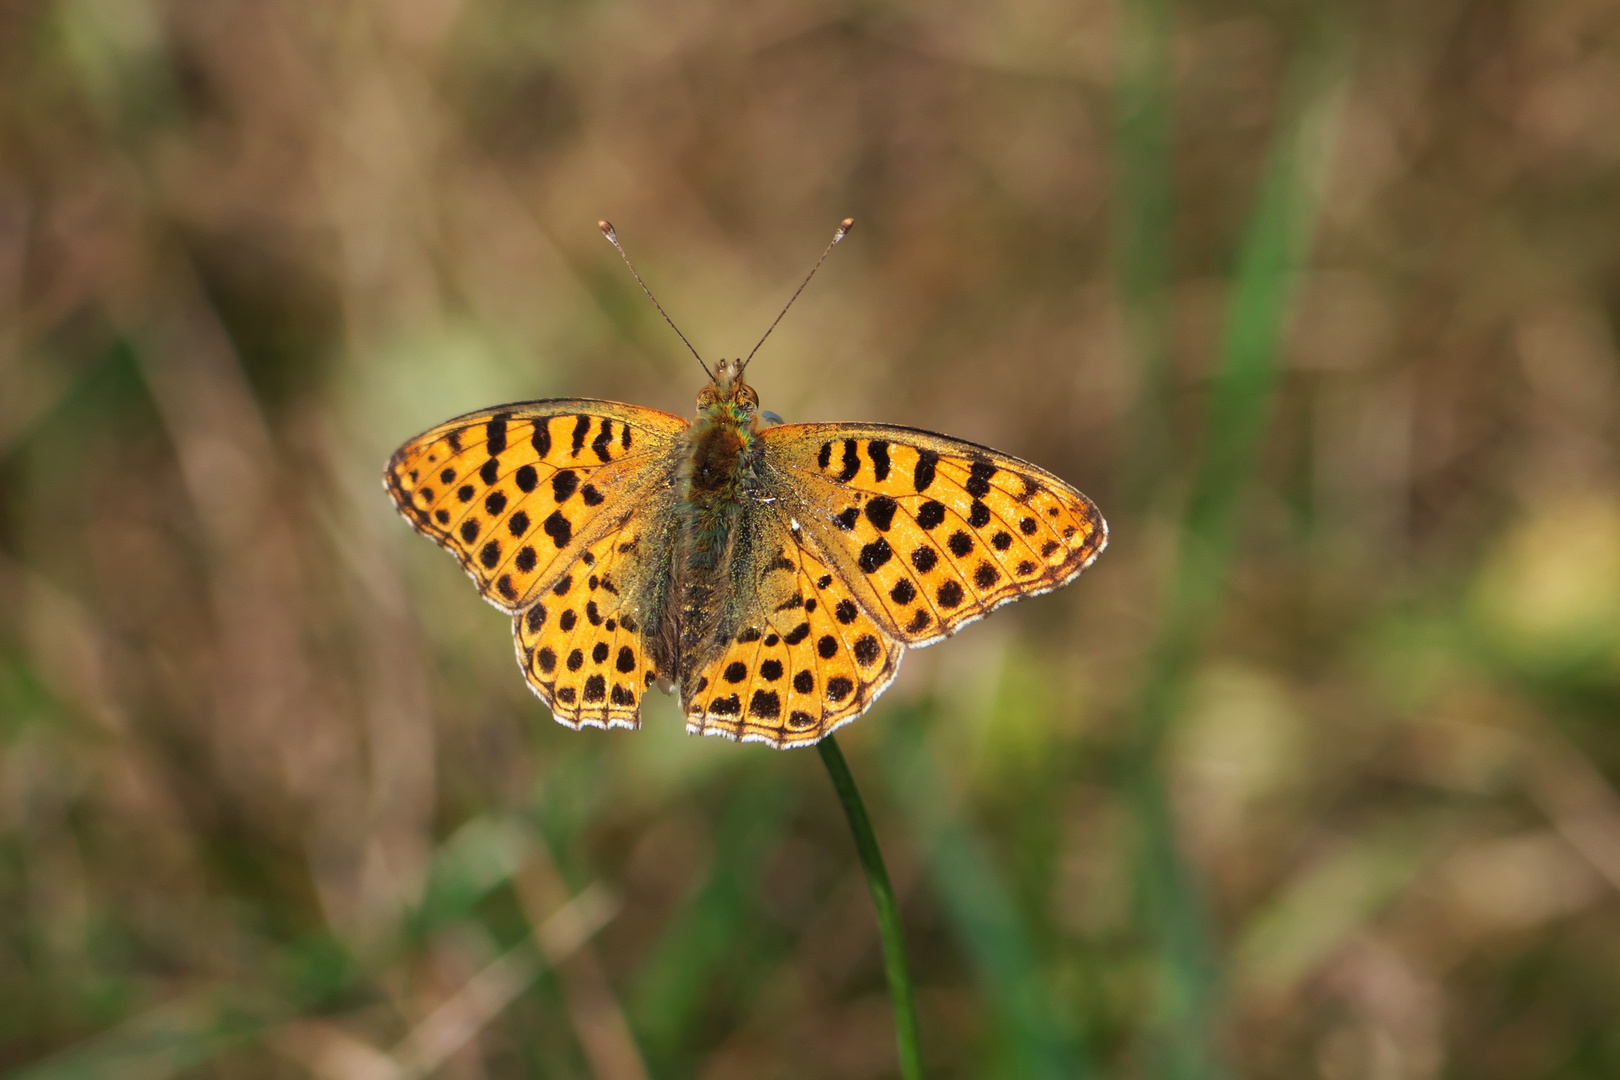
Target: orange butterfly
x=773 y=575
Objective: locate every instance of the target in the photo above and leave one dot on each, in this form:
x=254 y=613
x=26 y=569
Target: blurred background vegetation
x=1311 y=776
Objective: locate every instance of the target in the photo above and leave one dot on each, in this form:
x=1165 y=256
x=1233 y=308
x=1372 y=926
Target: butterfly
x=771 y=574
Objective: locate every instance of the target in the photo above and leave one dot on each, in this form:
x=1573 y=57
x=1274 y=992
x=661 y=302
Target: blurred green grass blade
x=1143 y=227
x=1274 y=249
x=674 y=985
x=1270 y=263
x=983 y=914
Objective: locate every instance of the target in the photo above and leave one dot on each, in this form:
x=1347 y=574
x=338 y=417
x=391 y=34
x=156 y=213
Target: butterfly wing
x=518 y=493
x=930 y=532
x=547 y=506
x=581 y=644
x=804 y=657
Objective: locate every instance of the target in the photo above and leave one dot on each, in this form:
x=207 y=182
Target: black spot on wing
x=582 y=427
x=526 y=478
x=978 y=481
x=541 y=440
x=880 y=511
x=852 y=462
x=923 y=474
x=603 y=443
x=490 y=471
x=878 y=451
x=930 y=513
x=564 y=484
x=495 y=434
x=559 y=529
x=874 y=555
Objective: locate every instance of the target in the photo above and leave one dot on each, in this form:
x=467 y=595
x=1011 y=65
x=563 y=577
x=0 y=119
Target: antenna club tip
x=607 y=230
x=843 y=229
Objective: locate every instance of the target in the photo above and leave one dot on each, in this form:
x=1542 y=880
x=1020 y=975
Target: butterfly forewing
x=517 y=493
x=931 y=532
x=805 y=659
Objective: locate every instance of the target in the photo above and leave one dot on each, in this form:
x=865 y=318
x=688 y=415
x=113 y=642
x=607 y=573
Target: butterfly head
x=728 y=392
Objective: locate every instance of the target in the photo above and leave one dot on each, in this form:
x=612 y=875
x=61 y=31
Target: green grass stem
x=888 y=912
x=1270 y=261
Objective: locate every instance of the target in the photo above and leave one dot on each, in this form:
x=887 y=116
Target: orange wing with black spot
x=930 y=532
x=519 y=492
x=806 y=658
x=546 y=506
x=580 y=643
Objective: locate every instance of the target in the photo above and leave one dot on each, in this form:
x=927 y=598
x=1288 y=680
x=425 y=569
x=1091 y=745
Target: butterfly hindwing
x=931 y=532
x=805 y=657
x=519 y=492
x=581 y=644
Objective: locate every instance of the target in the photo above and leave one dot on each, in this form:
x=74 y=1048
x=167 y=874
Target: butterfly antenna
x=843 y=230
x=613 y=238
